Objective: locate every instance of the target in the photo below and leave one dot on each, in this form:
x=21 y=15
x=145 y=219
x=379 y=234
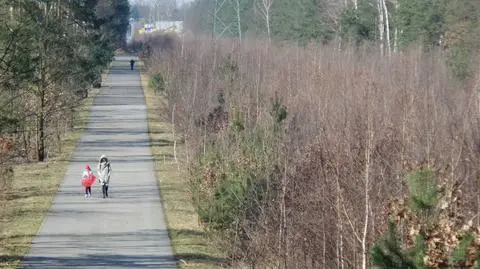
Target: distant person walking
x=104 y=171
x=132 y=62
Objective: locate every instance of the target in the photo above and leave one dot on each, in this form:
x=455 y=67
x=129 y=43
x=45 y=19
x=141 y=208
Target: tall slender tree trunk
x=41 y=95
x=259 y=65
x=173 y=134
x=340 y=223
x=214 y=24
x=368 y=149
x=324 y=245
x=395 y=34
x=239 y=24
x=41 y=128
x=267 y=18
x=387 y=27
x=324 y=232
x=205 y=139
x=59 y=136
x=395 y=40
x=340 y=261
x=381 y=26
x=478 y=180
x=284 y=216
x=26 y=144
x=264 y=7
x=367 y=213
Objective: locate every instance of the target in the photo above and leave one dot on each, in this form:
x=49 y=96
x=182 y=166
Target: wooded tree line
x=52 y=52
x=391 y=24
x=396 y=23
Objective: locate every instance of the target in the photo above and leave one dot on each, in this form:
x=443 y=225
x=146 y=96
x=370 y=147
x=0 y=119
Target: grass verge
x=31 y=193
x=191 y=246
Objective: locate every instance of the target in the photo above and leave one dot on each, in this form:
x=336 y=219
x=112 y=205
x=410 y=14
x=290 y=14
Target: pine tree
x=428 y=224
x=51 y=51
x=387 y=252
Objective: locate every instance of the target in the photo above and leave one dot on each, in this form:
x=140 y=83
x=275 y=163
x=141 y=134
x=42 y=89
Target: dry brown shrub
x=347 y=110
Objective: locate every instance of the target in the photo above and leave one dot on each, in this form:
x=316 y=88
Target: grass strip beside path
x=190 y=243
x=31 y=193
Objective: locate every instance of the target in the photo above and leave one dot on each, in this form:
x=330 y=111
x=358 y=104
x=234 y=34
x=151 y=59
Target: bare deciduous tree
x=387 y=26
x=357 y=122
x=264 y=6
x=381 y=25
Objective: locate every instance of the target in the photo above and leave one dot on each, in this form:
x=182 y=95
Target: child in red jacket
x=88 y=178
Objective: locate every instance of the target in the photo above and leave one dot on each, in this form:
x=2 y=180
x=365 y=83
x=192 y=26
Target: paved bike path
x=126 y=230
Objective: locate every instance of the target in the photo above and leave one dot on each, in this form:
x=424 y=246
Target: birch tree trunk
x=264 y=7
x=282 y=226
x=368 y=149
x=387 y=26
x=239 y=25
x=395 y=34
x=267 y=18
x=257 y=90
x=340 y=260
x=183 y=36
x=381 y=26
x=395 y=40
x=324 y=244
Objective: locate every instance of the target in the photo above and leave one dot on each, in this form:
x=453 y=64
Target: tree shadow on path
x=95 y=261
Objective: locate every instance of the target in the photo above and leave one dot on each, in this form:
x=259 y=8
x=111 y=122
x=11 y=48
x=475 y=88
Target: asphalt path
x=126 y=230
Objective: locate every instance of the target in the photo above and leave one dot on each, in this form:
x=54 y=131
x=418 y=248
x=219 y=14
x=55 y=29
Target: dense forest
x=391 y=24
x=52 y=53
x=329 y=133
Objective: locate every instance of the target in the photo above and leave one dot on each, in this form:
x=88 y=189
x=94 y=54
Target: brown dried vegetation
x=317 y=187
